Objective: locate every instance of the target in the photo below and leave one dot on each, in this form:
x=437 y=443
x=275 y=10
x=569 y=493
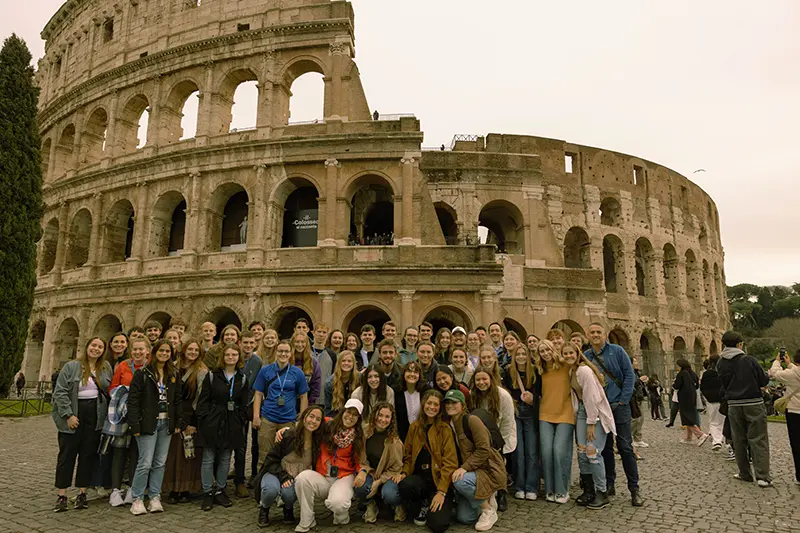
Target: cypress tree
x=20 y=203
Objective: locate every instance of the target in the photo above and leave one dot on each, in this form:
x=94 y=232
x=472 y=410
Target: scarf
x=345 y=437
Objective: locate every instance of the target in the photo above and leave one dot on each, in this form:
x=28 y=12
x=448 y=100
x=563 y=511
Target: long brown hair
x=490 y=396
x=336 y=425
x=338 y=398
x=391 y=431
x=494 y=370
x=423 y=418
x=420 y=386
x=169 y=367
x=316 y=436
x=308 y=363
x=366 y=391
x=196 y=368
x=438 y=354
x=99 y=365
x=125 y=354
x=513 y=371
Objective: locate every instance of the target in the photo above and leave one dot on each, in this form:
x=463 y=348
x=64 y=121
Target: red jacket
x=123 y=374
x=344 y=459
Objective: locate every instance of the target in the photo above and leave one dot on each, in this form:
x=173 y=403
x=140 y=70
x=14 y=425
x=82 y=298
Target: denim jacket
x=616 y=361
x=65 y=395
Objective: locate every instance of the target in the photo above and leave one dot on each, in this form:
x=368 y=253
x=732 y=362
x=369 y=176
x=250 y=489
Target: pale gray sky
x=687 y=84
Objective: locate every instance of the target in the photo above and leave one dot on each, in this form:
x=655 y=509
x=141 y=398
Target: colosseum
x=347 y=219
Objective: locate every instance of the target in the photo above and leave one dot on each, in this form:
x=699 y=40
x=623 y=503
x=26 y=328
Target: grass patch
x=24 y=408
x=777 y=418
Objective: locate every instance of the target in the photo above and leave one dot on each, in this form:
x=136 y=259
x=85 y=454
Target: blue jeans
x=556 y=447
x=153 y=451
x=622 y=419
x=223 y=460
x=594 y=464
x=526 y=456
x=467 y=507
x=390 y=493
x=271 y=487
x=239 y=455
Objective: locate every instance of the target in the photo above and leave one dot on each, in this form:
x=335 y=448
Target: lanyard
x=285 y=376
x=232 y=381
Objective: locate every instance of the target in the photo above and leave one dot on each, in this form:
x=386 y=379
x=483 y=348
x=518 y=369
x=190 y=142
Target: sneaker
x=185 y=497
x=81 y=501
x=731 y=454
x=550 y=497
x=102 y=493
x=716 y=447
x=400 y=513
x=519 y=495
x=116 y=498
x=343 y=520
x=91 y=493
x=763 y=483
x=61 y=504
x=208 y=502
x=301 y=529
x=138 y=508
x=128 y=497
x=155 y=505
x=371 y=514
x=531 y=496
x=221 y=498
x=641 y=444
x=422 y=518
x=486 y=520
x=241 y=491
x=562 y=498
x=702 y=440
x=263 y=517
x=173 y=497
x=740 y=478
x=685 y=441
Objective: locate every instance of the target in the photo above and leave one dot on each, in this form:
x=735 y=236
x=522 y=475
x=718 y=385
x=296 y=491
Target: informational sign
x=303 y=227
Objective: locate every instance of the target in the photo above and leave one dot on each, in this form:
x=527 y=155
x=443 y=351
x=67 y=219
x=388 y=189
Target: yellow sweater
x=556 y=404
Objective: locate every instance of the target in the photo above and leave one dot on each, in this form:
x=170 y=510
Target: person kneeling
x=482 y=472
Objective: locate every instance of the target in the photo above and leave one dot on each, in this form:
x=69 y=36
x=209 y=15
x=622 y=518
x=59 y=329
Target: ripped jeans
x=589 y=459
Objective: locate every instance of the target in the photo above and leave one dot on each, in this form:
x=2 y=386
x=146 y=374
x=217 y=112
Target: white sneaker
x=520 y=495
x=531 y=496
x=763 y=483
x=301 y=529
x=116 y=498
x=155 y=505
x=562 y=498
x=138 y=508
x=128 y=497
x=641 y=444
x=371 y=515
x=702 y=440
x=102 y=492
x=91 y=494
x=486 y=520
x=550 y=497
x=341 y=520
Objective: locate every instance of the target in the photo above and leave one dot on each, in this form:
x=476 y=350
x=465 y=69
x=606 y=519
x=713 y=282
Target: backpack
x=491 y=424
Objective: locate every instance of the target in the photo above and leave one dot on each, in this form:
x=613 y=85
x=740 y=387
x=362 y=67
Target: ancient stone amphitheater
x=346 y=219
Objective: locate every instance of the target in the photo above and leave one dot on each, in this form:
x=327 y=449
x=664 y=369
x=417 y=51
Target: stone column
x=487 y=306
x=265 y=93
x=154 y=119
x=61 y=245
x=327 y=297
x=205 y=107
x=95 y=246
x=192 y=238
x=83 y=329
x=336 y=98
x=328 y=224
x=48 y=346
x=256 y=217
x=75 y=163
x=407 y=316
x=47 y=177
x=140 y=230
x=407 y=228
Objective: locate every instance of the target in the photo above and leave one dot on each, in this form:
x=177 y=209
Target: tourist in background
x=711 y=387
x=686 y=383
x=790 y=377
x=654 y=391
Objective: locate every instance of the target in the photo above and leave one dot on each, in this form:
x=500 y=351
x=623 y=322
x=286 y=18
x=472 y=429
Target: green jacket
x=65 y=395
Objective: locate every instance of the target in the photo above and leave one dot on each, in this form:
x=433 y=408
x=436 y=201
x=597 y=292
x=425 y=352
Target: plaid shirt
x=116 y=423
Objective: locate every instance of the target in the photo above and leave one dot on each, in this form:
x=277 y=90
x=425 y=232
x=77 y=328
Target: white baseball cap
x=459 y=329
x=355 y=404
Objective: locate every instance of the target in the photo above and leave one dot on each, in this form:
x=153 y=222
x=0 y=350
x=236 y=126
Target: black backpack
x=491 y=424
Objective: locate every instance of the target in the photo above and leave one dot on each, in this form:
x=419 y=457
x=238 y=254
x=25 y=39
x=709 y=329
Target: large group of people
x=433 y=426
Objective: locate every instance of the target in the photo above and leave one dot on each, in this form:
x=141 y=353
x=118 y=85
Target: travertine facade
x=154 y=231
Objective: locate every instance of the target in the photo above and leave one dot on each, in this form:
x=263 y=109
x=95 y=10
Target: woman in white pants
x=711 y=387
x=338 y=468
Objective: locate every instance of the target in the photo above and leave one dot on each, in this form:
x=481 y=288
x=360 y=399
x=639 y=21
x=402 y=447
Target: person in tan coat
x=384 y=464
x=482 y=472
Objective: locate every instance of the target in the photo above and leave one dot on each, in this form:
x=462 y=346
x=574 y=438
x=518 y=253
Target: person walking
x=654 y=391
x=711 y=387
x=686 y=383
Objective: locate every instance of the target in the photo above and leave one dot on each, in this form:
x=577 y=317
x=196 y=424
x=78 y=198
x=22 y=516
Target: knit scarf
x=345 y=437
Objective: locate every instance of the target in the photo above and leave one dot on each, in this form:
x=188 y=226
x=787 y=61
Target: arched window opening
x=568 y=327
x=671 y=280
x=177 y=231
x=94 y=137
x=307 y=98
x=179 y=112
x=234 y=222
x=618 y=336
x=652 y=357
x=49 y=246
x=118 y=233
x=708 y=285
x=64 y=151
x=692 y=276
x=447 y=221
x=245 y=103
x=613 y=264
x=191 y=108
x=512 y=325
x=80 y=233
x=504 y=227
x=34 y=349
x=131 y=126
x=46 y=147
x=66 y=343
x=447 y=316
x=610 y=212
x=372 y=216
x=645 y=268
x=362 y=316
x=168 y=225
x=107 y=326
x=285 y=318
x=141 y=133
x=301 y=217
x=577 y=249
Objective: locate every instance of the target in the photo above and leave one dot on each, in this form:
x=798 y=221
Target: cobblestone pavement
x=686 y=489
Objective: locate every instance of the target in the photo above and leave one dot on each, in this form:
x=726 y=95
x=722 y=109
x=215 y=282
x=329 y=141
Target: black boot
x=502 y=501
x=636 y=498
x=588 y=490
x=600 y=501
x=288 y=515
x=263 y=516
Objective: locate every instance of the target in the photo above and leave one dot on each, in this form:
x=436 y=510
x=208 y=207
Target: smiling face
x=411 y=337
x=208 y=331
x=351 y=343
x=180 y=328
x=337 y=339
x=367 y=337
x=425 y=354
x=411 y=374
x=389 y=332
x=444 y=340
x=453 y=408
x=373 y=380
x=163 y=353
x=248 y=345
x=488 y=358
x=173 y=338
x=570 y=354
x=258 y=331
x=425 y=333
x=459 y=339
x=521 y=358
x=545 y=352
x=481 y=336
x=473 y=343
x=483 y=381
x=443 y=381
x=348 y=362
x=283 y=352
x=387 y=355
x=118 y=345
x=597 y=335
x=153 y=333
x=459 y=359
x=495 y=333
x=431 y=407
x=510 y=342
x=270 y=339
x=313 y=420
x=350 y=417
x=301 y=327
x=138 y=352
x=299 y=343
x=532 y=342
x=383 y=419
x=192 y=352
x=95 y=349
x=230 y=336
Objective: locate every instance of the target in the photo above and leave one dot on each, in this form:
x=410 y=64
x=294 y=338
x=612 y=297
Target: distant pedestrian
x=711 y=387
x=686 y=384
x=376 y=115
x=19 y=382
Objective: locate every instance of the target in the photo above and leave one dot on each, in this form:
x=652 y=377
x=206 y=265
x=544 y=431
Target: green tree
x=21 y=201
x=787 y=330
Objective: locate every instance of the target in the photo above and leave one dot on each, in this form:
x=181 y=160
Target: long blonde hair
x=196 y=369
x=266 y=354
x=84 y=361
x=308 y=363
x=557 y=360
x=337 y=398
x=583 y=361
x=530 y=375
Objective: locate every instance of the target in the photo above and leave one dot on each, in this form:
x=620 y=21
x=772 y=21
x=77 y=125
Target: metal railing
x=394 y=116
x=32 y=402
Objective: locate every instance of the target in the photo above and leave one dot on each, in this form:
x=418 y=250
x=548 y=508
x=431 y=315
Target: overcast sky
x=687 y=84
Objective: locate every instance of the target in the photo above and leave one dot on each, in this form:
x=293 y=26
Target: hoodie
x=741 y=377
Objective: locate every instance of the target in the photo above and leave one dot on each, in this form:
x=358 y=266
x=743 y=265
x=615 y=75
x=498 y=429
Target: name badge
x=281 y=401
x=230 y=406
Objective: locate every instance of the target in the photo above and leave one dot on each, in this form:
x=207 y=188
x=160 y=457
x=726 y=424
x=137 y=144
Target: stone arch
x=107 y=326
x=448 y=221
x=577 y=248
x=513 y=325
x=610 y=212
x=168 y=225
x=93 y=138
x=225 y=100
x=698 y=348
x=64 y=151
x=569 y=327
x=129 y=123
x=652 y=355
x=447 y=314
x=296 y=205
x=504 y=226
x=309 y=69
x=692 y=272
x=47 y=260
x=174 y=121
x=618 y=336
x=372 y=210
x=671 y=266
x=47 y=145
x=34 y=350
x=708 y=285
x=614 y=264
x=712 y=347
x=226 y=212
x=284 y=317
x=162 y=317
x=80 y=234
x=679 y=345
x=65 y=344
x=645 y=268
x=363 y=314
x=118 y=232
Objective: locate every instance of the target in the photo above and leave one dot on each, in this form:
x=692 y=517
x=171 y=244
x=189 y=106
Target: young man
x=325 y=357
x=577 y=339
x=258 y=328
x=426 y=362
x=207 y=333
x=367 y=346
x=556 y=336
x=742 y=379
x=425 y=331
x=481 y=331
x=136 y=333
x=496 y=336
x=179 y=325
x=387 y=361
x=252 y=366
x=459 y=337
x=389 y=331
x=152 y=330
x=617 y=370
x=301 y=325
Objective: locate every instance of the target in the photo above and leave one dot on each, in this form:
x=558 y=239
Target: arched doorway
x=49 y=246
x=569 y=327
x=34 y=350
x=671 y=279
x=447 y=221
x=501 y=223
x=577 y=249
x=618 y=336
x=168 y=225
x=651 y=354
x=367 y=314
x=80 y=234
x=446 y=316
x=645 y=268
x=300 y=215
x=614 y=264
x=118 y=233
x=285 y=319
x=106 y=327
x=227 y=220
x=66 y=343
x=512 y=325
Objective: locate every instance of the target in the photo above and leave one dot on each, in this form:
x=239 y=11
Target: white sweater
x=594 y=400
x=506 y=422
x=791 y=378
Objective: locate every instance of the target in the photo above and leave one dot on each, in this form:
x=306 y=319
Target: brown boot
x=241 y=491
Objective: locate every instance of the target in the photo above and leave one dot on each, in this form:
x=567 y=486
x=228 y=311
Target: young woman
x=80 y=406
x=182 y=473
x=595 y=422
x=352 y=342
x=230 y=335
x=686 y=385
x=153 y=415
x=510 y=342
x=473 y=350
x=525 y=386
x=791 y=378
x=174 y=339
x=267 y=346
x=408 y=398
x=556 y=423
x=336 y=342
x=654 y=391
x=442 y=343
x=384 y=462
x=373 y=381
x=222 y=415
x=446 y=380
x=429 y=460
x=532 y=342
x=301 y=352
x=117 y=349
x=482 y=472
x=408 y=351
x=341 y=384
x=462 y=372
x=489 y=361
x=337 y=470
x=297 y=451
